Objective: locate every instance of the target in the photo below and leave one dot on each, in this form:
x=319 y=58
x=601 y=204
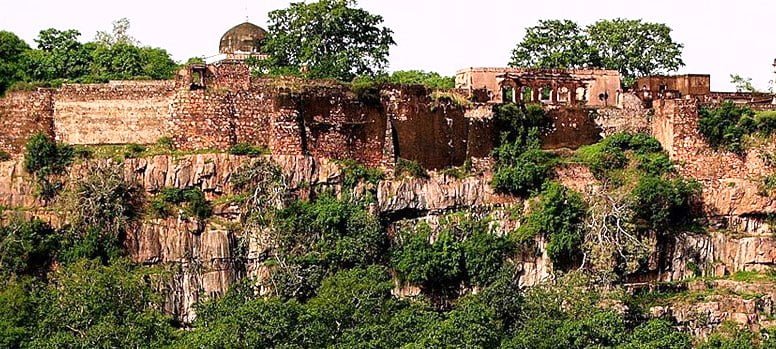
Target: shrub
x=520 y=124
x=769 y=183
x=520 y=172
x=354 y=172
x=410 y=168
x=418 y=77
x=166 y=143
x=192 y=200
x=134 y=150
x=664 y=204
x=43 y=156
x=612 y=153
x=724 y=127
x=247 y=149
x=4 y=156
x=558 y=216
x=602 y=158
x=26 y=248
x=456 y=99
x=766 y=122
x=460 y=172
x=82 y=152
x=464 y=250
x=655 y=164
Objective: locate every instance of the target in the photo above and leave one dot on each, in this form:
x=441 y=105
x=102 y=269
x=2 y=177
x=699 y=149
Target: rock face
x=205 y=257
x=748 y=304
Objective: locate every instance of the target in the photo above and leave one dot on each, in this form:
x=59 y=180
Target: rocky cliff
x=203 y=259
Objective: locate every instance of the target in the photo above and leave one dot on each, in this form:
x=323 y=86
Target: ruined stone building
x=589 y=87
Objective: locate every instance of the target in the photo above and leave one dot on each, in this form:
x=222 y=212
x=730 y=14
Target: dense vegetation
x=727 y=126
x=60 y=57
x=521 y=166
x=431 y=80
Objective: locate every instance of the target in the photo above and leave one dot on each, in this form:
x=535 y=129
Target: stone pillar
x=553 y=95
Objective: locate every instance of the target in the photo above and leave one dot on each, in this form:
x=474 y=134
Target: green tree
x=419 y=77
x=566 y=314
x=18 y=302
x=635 y=48
x=327 y=39
x=657 y=334
x=26 y=248
x=118 y=55
x=317 y=238
x=558 y=217
x=120 y=61
x=157 y=63
x=89 y=305
x=240 y=320
x=59 y=56
x=664 y=204
x=12 y=50
x=554 y=44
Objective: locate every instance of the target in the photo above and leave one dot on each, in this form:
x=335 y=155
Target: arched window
x=563 y=94
x=507 y=94
x=582 y=94
x=545 y=94
x=526 y=93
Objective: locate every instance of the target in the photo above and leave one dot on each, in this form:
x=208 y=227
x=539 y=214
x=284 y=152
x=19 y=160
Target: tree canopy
x=12 y=50
x=633 y=47
x=60 y=56
x=555 y=44
x=348 y=43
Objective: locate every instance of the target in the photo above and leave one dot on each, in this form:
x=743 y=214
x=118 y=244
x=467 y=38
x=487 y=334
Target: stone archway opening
x=545 y=94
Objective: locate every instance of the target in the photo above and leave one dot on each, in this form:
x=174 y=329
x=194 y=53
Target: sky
x=720 y=37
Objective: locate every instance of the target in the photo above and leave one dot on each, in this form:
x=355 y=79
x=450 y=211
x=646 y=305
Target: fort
x=217 y=105
x=306 y=124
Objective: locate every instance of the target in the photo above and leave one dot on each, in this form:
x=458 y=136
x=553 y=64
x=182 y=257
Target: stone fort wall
x=322 y=120
x=23 y=114
x=731 y=182
x=113 y=113
x=217 y=106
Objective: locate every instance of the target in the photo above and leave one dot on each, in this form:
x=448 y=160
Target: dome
x=246 y=37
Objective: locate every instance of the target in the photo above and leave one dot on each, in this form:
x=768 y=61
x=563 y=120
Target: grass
x=460 y=172
x=677 y=292
x=457 y=99
x=409 y=168
x=753 y=276
x=120 y=152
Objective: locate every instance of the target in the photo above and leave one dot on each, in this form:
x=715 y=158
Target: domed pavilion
x=243 y=41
